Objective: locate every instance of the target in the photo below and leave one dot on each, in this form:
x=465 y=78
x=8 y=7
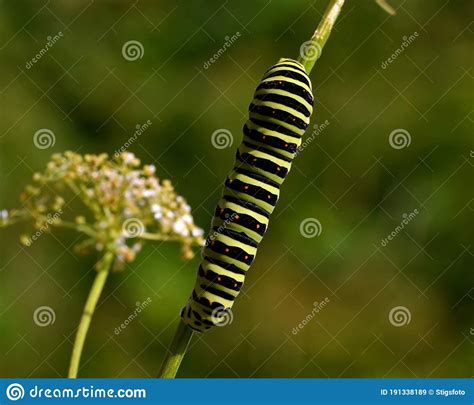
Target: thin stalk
x=103 y=270
x=311 y=50
x=176 y=352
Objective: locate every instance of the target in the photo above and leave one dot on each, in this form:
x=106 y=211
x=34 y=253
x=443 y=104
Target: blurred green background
x=349 y=178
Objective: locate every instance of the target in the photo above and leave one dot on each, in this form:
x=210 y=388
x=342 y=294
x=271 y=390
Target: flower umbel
x=126 y=203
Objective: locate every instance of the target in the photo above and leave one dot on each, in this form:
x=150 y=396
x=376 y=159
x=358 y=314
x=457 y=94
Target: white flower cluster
x=128 y=203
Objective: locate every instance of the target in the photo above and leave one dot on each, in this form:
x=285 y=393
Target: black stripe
x=285 y=64
x=289 y=73
x=267 y=151
x=284 y=100
x=257 y=177
x=264 y=164
x=226 y=266
x=275 y=127
x=233 y=252
x=251 y=190
x=280 y=115
x=269 y=140
x=238 y=236
x=287 y=86
x=245 y=220
x=220 y=279
x=204 y=302
x=217 y=292
x=247 y=204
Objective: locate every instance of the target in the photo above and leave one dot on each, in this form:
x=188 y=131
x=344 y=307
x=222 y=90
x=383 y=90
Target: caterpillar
x=278 y=117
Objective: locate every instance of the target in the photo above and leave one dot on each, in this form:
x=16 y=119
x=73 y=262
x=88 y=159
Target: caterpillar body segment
x=278 y=117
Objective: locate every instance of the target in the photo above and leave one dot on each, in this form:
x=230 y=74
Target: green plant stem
x=103 y=270
x=176 y=352
x=321 y=35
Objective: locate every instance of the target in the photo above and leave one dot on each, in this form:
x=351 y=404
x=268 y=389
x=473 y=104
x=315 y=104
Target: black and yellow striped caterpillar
x=278 y=117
